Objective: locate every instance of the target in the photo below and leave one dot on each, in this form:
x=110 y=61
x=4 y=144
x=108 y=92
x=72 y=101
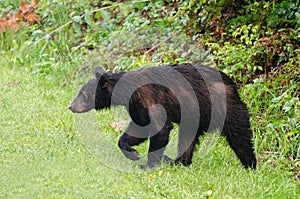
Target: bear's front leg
x=127 y=140
x=158 y=144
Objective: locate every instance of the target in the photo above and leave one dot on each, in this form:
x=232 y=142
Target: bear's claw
x=132 y=155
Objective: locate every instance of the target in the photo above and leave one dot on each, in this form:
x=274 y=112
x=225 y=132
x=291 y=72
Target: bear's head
x=95 y=94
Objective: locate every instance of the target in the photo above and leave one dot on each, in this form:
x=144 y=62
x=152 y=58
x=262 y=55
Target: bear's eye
x=104 y=86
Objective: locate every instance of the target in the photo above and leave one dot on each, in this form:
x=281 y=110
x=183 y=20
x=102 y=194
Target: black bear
x=199 y=98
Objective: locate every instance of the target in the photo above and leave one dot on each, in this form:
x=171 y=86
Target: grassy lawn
x=48 y=152
x=42 y=156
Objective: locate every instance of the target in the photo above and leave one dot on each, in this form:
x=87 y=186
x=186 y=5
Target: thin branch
x=160 y=43
x=104 y=8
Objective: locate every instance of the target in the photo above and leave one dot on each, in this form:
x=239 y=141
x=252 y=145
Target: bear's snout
x=71 y=108
x=79 y=108
x=75 y=109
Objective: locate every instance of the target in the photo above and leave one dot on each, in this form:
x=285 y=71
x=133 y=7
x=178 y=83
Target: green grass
x=48 y=152
x=42 y=156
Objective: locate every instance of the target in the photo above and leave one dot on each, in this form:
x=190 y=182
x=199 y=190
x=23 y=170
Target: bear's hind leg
x=186 y=157
x=186 y=147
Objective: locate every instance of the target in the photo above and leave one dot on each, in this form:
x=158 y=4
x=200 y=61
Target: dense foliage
x=257 y=43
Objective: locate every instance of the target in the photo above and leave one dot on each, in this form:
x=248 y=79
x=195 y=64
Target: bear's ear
x=105 y=78
x=98 y=71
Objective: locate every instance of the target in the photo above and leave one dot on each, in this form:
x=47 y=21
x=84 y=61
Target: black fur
x=206 y=86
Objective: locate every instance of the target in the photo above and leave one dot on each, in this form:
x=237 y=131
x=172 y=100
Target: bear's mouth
x=81 y=109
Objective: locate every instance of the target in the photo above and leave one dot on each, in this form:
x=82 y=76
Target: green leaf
x=88 y=18
x=289 y=104
x=77 y=19
x=77 y=29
